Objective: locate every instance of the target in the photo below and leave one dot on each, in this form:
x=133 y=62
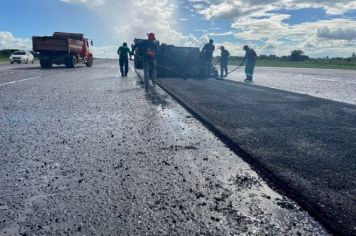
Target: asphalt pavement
x=86 y=152
x=303 y=144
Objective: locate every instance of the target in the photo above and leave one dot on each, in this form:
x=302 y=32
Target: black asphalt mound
x=305 y=144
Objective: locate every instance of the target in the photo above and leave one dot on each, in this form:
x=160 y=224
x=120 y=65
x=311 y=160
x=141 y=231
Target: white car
x=21 y=57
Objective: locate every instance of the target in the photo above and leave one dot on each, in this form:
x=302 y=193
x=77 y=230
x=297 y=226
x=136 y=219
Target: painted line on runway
x=19 y=81
x=328 y=80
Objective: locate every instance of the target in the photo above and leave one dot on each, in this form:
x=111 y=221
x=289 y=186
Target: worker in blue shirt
x=224 y=61
x=250 y=59
x=207 y=52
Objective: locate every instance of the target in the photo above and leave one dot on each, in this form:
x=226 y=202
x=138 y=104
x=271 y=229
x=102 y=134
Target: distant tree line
x=8 y=52
x=299 y=56
x=296 y=55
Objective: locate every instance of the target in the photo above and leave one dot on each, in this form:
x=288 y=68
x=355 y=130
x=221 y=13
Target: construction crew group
x=149 y=47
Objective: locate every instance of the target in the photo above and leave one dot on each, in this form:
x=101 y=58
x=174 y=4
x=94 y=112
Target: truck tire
x=70 y=61
x=89 y=62
x=46 y=63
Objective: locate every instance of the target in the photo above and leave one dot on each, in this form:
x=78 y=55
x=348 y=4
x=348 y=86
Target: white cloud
x=141 y=17
x=90 y=3
x=198 y=6
x=331 y=6
x=221 y=34
x=337 y=34
x=201 y=30
x=256 y=23
x=131 y=19
x=9 y=41
x=232 y=9
x=234 y=50
x=253 y=24
x=272 y=36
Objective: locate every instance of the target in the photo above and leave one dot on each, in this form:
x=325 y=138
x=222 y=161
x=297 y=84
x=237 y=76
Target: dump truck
x=69 y=49
x=138 y=59
x=173 y=61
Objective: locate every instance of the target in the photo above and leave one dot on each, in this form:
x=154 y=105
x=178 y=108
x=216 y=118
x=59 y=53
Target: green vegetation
x=298 y=59
x=3 y=59
x=5 y=54
x=322 y=64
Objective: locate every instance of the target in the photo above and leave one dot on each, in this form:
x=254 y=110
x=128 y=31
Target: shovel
x=220 y=78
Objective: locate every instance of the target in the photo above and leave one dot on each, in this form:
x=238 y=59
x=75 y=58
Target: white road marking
x=18 y=81
x=328 y=80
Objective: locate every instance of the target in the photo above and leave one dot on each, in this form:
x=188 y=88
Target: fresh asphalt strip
x=303 y=145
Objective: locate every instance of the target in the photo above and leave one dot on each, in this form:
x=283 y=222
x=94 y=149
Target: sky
x=318 y=27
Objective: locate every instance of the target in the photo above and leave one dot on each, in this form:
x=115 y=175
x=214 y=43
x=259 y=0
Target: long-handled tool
x=230 y=72
x=233 y=70
x=217 y=62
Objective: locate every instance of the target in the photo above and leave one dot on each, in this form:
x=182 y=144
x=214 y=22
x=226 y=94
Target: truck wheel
x=70 y=61
x=89 y=63
x=66 y=62
x=46 y=63
x=11 y=62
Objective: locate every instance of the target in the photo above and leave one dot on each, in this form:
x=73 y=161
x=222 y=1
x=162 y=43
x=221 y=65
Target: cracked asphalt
x=86 y=152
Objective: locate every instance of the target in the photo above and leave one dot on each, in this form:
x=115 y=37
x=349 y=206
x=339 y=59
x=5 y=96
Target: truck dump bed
x=173 y=61
x=76 y=36
x=59 y=42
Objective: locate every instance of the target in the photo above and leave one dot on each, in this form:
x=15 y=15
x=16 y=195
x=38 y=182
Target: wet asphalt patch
x=83 y=153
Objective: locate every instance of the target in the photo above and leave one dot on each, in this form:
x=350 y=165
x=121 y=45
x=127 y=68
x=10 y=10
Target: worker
x=149 y=48
x=250 y=59
x=124 y=53
x=208 y=51
x=224 y=61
